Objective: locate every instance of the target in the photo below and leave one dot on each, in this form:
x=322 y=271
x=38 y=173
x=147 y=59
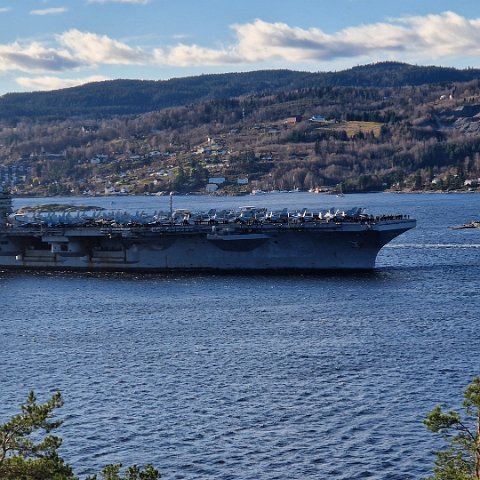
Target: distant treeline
x=129 y=97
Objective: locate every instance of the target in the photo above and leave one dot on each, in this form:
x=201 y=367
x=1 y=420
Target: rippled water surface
x=256 y=377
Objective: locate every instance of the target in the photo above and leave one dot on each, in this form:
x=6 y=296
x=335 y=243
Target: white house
x=211 y=187
x=217 y=180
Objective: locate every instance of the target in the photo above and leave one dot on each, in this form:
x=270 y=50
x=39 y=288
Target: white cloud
x=445 y=35
x=35 y=57
x=99 y=49
x=55 y=83
x=74 y=50
x=414 y=39
x=180 y=36
x=49 y=11
x=411 y=38
x=194 y=55
x=5 y=9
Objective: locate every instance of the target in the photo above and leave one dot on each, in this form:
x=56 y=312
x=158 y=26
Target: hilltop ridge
x=132 y=97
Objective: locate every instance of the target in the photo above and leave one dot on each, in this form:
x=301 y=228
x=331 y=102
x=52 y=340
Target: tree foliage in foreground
x=29 y=450
x=112 y=472
x=461 y=460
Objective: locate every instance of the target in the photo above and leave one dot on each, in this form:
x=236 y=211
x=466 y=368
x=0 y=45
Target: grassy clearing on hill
x=354 y=127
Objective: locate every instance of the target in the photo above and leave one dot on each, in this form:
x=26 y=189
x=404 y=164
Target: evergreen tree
x=28 y=450
x=461 y=460
x=112 y=472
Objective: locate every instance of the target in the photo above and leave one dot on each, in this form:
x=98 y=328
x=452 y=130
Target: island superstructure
x=247 y=239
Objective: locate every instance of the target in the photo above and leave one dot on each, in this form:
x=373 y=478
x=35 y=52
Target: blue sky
x=49 y=44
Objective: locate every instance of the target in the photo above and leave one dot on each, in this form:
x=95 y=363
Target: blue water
x=255 y=377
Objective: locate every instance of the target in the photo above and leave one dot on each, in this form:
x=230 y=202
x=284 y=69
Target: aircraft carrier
x=247 y=239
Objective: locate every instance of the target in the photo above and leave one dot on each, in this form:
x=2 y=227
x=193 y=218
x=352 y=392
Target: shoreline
x=200 y=194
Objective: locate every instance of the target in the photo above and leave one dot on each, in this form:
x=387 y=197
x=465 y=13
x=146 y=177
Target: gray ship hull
x=291 y=247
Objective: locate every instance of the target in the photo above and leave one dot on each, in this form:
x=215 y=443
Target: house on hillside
x=293 y=120
x=211 y=188
x=216 y=180
x=317 y=119
x=89 y=129
x=472 y=182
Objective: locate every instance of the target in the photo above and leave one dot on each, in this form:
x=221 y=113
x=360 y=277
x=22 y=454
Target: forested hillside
x=417 y=136
x=127 y=97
